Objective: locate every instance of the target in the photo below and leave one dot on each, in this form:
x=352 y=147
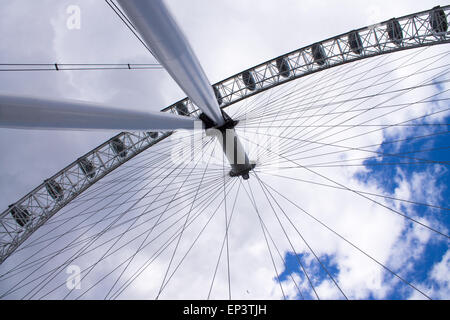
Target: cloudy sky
x=229 y=36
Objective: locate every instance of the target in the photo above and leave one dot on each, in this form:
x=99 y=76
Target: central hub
x=231 y=145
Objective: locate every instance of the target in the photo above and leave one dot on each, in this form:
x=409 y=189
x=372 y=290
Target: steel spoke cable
x=366 y=197
x=273 y=243
x=153 y=226
x=423 y=82
x=109 y=190
x=195 y=178
x=292 y=246
x=357 y=125
x=152 y=258
x=97 y=187
x=87 y=239
x=321 y=95
x=329 y=72
x=88 y=217
x=124 y=245
x=368 y=165
x=282 y=92
x=395 y=155
x=295 y=107
x=81 y=228
x=364 y=75
x=67 y=246
x=253 y=202
x=147 y=264
x=185 y=222
x=352 y=125
x=281 y=102
x=223 y=242
x=125 y=202
x=34 y=243
x=299 y=233
x=181 y=234
x=73 y=241
x=130 y=241
x=226 y=235
x=151 y=218
x=350 y=243
x=109 y=226
x=192 y=244
x=366 y=133
x=292 y=115
x=360 y=191
x=180 y=175
x=376 y=130
x=127 y=22
x=284 y=261
x=179 y=146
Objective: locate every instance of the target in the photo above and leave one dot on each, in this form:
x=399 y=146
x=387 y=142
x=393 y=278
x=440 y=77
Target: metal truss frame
x=30 y=212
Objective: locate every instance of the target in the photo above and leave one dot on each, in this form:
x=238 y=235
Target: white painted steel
x=164 y=37
x=37 y=113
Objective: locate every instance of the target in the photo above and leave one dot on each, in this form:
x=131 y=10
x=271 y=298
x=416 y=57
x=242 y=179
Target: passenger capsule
x=218 y=95
x=283 y=67
x=354 y=40
x=249 y=80
x=394 y=31
x=318 y=54
x=118 y=147
x=20 y=214
x=54 y=189
x=181 y=109
x=87 y=167
x=153 y=135
x=438 y=20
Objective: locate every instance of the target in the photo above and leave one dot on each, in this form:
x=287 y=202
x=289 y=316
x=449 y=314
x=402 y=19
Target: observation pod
x=438 y=20
x=249 y=80
x=355 y=43
x=231 y=145
x=181 y=109
x=283 y=67
x=118 y=147
x=394 y=31
x=54 y=189
x=153 y=135
x=87 y=167
x=218 y=95
x=20 y=214
x=318 y=54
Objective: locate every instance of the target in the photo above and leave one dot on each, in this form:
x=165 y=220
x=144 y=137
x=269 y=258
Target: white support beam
x=36 y=113
x=164 y=37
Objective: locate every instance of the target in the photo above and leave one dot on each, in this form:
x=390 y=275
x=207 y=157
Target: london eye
x=334 y=187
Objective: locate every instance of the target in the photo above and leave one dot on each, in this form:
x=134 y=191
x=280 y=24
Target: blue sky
x=437 y=246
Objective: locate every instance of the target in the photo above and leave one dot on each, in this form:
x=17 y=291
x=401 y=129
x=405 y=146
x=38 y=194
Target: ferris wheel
x=268 y=184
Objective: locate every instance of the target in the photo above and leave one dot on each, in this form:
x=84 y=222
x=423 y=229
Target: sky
x=229 y=36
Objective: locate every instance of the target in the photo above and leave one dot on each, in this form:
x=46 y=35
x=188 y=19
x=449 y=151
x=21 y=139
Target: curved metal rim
x=375 y=41
x=302 y=62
